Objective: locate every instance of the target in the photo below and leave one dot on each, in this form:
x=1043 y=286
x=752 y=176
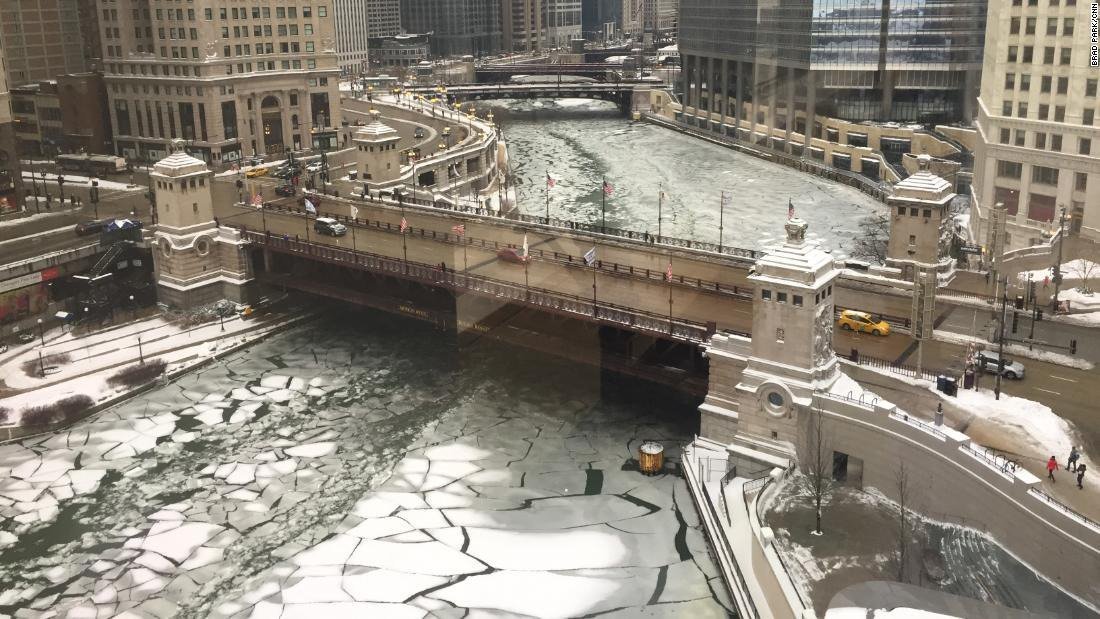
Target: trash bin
x=968 y=379
x=854 y=357
x=941 y=383
x=950 y=386
x=651 y=457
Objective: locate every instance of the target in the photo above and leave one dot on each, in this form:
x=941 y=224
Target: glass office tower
x=781 y=62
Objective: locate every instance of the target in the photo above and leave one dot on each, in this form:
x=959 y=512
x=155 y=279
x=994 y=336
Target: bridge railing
x=600 y=311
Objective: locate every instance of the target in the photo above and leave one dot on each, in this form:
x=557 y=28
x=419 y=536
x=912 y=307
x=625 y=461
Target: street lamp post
x=141 y=355
x=61 y=189
x=95 y=197
x=41 y=336
x=221 y=317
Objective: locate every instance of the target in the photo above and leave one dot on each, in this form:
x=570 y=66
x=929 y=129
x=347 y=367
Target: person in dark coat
x=1071 y=462
x=1080 y=476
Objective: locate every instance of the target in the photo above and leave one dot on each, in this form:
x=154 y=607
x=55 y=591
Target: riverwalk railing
x=1065 y=509
x=759 y=485
x=563 y=303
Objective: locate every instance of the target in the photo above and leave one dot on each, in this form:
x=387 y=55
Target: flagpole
x=603 y=208
x=670 y=296
x=721 y=219
x=404 y=245
x=660 y=195
x=547 y=197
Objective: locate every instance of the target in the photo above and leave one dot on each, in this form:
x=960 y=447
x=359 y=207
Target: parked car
x=418 y=132
x=990 y=362
x=284 y=173
x=329 y=226
x=510 y=254
x=314 y=167
x=255 y=172
x=284 y=190
x=851 y=320
x=94 y=226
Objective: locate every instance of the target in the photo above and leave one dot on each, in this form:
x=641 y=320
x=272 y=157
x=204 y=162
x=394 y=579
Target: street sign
x=970 y=249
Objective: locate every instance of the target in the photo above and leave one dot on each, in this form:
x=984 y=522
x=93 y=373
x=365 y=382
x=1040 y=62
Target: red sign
x=50 y=273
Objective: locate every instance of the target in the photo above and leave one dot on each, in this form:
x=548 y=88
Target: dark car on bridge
x=94 y=226
x=329 y=226
x=284 y=190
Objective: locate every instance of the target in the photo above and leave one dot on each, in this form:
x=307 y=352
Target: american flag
x=460 y=229
x=607 y=188
x=257 y=200
x=550 y=181
x=404 y=225
x=790 y=209
x=668 y=272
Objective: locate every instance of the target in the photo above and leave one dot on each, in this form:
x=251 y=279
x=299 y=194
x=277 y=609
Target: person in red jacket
x=1052 y=465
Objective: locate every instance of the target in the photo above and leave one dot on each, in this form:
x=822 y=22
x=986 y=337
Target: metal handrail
x=1066 y=509
x=917 y=423
x=760 y=518
x=598 y=310
x=560 y=258
x=1000 y=464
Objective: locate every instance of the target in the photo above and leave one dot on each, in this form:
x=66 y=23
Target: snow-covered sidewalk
x=1015 y=350
x=95 y=357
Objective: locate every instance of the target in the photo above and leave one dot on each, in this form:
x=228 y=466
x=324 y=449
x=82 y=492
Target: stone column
x=755 y=105
x=685 y=81
x=698 y=83
x=738 y=111
x=790 y=108
x=284 y=116
x=724 y=101
x=305 y=104
x=811 y=105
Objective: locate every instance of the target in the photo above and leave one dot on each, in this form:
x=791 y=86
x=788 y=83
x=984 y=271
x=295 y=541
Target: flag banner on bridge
x=607 y=188
x=354 y=213
x=790 y=209
x=668 y=272
x=404 y=225
x=460 y=229
x=257 y=200
x=309 y=207
x=525 y=248
x=550 y=181
x=590 y=256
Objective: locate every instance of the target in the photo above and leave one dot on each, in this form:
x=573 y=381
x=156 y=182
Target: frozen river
x=580 y=142
x=363 y=467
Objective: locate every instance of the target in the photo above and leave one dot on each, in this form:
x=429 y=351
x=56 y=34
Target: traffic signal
x=1073 y=347
x=1015 y=321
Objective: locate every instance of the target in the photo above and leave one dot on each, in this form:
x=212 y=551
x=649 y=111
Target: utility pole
x=660 y=202
x=1057 y=275
x=721 y=220
x=1001 y=341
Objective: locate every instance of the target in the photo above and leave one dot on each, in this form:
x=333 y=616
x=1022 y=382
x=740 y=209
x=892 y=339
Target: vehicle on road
x=284 y=190
x=284 y=173
x=329 y=226
x=511 y=254
x=851 y=320
x=990 y=361
x=314 y=167
x=419 y=132
x=92 y=164
x=255 y=172
x=94 y=226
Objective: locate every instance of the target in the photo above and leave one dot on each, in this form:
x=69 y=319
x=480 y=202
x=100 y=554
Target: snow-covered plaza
x=343 y=470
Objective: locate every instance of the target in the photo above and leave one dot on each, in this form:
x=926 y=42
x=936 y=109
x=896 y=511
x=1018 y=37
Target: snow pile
x=1029 y=423
x=1080 y=301
x=1072 y=271
x=878 y=613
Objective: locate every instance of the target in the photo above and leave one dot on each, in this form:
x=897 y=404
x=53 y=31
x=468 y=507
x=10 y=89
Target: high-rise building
x=457 y=27
x=596 y=14
x=10 y=182
x=532 y=25
x=43 y=38
x=352 y=34
x=1038 y=148
x=232 y=81
x=781 y=63
x=650 y=20
x=358 y=21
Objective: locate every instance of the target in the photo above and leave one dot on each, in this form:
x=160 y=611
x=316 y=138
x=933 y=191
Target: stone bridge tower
x=196 y=261
x=377 y=157
x=921 y=227
x=758 y=387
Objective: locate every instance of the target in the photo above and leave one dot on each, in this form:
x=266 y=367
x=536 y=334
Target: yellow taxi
x=254 y=172
x=852 y=320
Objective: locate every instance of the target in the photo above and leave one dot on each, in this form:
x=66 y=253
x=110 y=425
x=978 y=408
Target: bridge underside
x=473 y=317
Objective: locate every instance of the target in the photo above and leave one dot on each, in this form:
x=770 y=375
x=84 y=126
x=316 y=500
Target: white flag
x=590 y=256
x=354 y=213
x=525 y=249
x=310 y=208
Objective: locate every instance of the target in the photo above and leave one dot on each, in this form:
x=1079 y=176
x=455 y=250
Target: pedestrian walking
x=1080 y=476
x=1071 y=462
x=1052 y=465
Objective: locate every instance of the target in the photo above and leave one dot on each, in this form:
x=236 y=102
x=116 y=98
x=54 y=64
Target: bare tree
x=1085 y=270
x=908 y=532
x=817 y=464
x=874 y=234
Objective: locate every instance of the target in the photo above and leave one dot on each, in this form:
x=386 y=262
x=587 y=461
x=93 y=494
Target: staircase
x=106 y=260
